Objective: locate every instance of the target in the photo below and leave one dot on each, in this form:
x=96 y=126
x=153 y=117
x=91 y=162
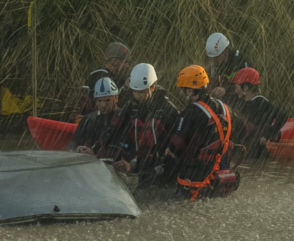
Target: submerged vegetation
x=170 y=34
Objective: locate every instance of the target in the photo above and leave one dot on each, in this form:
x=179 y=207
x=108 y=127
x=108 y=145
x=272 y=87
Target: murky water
x=261 y=209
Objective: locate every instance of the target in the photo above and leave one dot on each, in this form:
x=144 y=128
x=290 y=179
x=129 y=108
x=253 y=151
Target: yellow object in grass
x=12 y=105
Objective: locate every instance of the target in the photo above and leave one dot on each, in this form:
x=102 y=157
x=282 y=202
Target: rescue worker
x=93 y=129
x=147 y=121
x=264 y=120
x=202 y=141
x=224 y=62
x=117 y=67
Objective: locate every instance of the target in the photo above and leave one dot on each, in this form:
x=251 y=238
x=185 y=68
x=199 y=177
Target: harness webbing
x=136 y=133
x=153 y=132
x=225 y=142
x=203 y=109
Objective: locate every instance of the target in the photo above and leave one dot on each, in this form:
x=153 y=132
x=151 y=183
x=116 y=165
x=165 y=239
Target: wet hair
x=201 y=92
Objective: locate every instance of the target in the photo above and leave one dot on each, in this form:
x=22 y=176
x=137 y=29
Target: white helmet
x=216 y=44
x=142 y=76
x=105 y=87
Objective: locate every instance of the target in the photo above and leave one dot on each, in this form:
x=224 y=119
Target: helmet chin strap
x=150 y=92
x=187 y=97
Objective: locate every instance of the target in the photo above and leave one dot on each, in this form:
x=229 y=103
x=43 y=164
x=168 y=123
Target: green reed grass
x=169 y=34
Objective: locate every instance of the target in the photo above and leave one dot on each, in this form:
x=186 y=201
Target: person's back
x=201 y=143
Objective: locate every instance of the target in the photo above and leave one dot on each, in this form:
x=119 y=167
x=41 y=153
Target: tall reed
x=169 y=34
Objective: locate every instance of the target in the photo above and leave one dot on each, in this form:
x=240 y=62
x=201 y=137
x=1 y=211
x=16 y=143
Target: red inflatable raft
x=281 y=150
x=50 y=134
x=285 y=148
x=55 y=135
x=288 y=130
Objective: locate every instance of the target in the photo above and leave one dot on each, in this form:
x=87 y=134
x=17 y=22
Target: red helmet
x=246 y=75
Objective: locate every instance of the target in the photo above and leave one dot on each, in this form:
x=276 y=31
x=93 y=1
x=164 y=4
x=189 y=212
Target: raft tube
x=51 y=134
x=287 y=132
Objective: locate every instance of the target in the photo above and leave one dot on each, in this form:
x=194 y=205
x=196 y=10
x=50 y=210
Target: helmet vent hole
x=194 y=82
x=145 y=82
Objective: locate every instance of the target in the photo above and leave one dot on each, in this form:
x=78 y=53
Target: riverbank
x=17 y=141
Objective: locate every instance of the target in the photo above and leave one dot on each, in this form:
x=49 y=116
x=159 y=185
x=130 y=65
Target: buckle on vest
x=188 y=188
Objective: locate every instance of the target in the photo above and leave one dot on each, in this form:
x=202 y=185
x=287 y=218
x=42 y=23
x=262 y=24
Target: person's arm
x=278 y=118
x=116 y=136
x=171 y=115
x=239 y=128
x=78 y=137
x=191 y=132
x=85 y=150
x=266 y=119
x=119 y=141
x=189 y=122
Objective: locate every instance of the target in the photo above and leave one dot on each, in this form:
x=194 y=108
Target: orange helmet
x=193 y=76
x=246 y=75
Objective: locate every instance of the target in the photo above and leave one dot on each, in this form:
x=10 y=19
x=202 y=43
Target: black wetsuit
x=92 y=130
x=263 y=120
x=145 y=149
x=194 y=133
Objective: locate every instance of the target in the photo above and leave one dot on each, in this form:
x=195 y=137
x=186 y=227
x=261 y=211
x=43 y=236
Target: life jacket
x=214 y=151
x=146 y=133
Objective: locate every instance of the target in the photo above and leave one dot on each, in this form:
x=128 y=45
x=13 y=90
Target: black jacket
x=93 y=129
x=194 y=133
x=263 y=120
x=160 y=108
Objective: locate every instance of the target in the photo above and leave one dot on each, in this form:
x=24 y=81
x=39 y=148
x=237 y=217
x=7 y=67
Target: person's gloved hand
x=85 y=149
x=122 y=166
x=168 y=152
x=262 y=141
x=218 y=92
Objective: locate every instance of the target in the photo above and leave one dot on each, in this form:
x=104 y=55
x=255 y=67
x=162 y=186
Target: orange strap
x=224 y=140
x=217 y=121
